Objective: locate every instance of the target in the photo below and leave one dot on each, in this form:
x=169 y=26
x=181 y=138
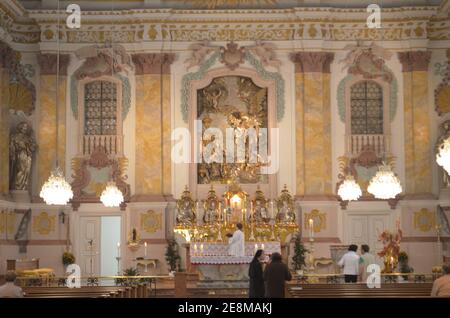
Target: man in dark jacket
x=275 y=275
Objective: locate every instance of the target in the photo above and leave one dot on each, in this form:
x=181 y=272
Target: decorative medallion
x=424 y=220
x=44 y=224
x=232 y=56
x=319 y=220
x=151 y=221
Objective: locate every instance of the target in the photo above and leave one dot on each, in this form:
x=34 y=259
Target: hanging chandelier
x=443 y=155
x=385 y=184
x=349 y=190
x=56 y=190
x=111 y=196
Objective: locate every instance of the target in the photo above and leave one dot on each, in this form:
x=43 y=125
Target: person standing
x=255 y=273
x=350 y=262
x=364 y=261
x=236 y=243
x=441 y=286
x=275 y=275
x=9 y=290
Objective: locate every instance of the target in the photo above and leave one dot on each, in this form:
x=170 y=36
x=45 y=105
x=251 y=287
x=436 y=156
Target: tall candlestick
x=271 y=209
x=145 y=249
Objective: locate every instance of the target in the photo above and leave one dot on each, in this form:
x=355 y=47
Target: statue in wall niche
x=21 y=149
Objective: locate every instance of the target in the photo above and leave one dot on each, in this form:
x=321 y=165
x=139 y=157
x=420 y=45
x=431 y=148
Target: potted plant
x=299 y=258
x=173 y=258
x=132 y=272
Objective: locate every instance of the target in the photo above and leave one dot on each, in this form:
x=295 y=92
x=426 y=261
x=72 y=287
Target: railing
x=360 y=142
x=110 y=142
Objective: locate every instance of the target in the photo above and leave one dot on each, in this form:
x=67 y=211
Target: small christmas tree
x=172 y=255
x=298 y=260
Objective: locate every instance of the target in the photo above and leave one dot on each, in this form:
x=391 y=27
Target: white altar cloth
x=217 y=253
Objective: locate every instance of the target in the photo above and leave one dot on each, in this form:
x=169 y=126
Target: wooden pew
x=88 y=291
x=358 y=290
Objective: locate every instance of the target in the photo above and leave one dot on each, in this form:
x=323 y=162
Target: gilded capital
x=152 y=63
x=47 y=63
x=312 y=61
x=414 y=60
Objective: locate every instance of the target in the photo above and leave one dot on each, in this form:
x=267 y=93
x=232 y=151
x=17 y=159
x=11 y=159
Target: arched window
x=100 y=109
x=100 y=113
x=366 y=102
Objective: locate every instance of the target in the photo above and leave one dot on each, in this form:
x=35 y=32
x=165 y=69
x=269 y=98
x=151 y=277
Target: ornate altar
x=211 y=219
x=204 y=224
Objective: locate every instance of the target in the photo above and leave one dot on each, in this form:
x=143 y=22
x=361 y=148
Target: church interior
x=137 y=137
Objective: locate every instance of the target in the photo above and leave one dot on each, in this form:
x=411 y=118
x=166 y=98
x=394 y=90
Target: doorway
x=98 y=249
x=364 y=228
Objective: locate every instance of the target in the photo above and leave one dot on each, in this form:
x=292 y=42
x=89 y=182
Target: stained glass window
x=100 y=108
x=366 y=108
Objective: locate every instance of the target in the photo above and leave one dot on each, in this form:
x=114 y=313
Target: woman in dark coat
x=275 y=275
x=255 y=272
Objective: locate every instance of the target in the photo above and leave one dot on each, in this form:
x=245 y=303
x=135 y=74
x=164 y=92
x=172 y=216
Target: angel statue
x=21 y=148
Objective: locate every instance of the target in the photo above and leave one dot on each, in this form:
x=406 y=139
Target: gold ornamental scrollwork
x=319 y=220
x=44 y=224
x=151 y=221
x=424 y=220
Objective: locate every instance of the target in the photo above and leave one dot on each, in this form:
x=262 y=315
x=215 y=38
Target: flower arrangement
x=391 y=249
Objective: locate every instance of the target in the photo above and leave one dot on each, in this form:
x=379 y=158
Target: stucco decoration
x=151 y=221
x=232 y=57
x=44 y=224
x=21 y=94
x=91 y=174
x=368 y=63
x=319 y=220
x=442 y=92
x=98 y=62
x=424 y=220
x=363 y=168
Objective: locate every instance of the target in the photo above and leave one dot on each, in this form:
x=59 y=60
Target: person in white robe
x=236 y=243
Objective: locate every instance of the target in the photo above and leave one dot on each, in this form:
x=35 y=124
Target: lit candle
x=256 y=247
x=262 y=246
x=311 y=228
x=392 y=261
x=195 y=249
x=145 y=249
x=201 y=248
x=118 y=249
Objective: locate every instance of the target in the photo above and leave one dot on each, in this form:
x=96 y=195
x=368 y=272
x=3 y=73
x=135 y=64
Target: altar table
x=212 y=262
